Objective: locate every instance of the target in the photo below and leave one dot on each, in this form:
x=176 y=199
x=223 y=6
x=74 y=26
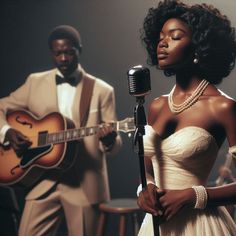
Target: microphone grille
x=139 y=81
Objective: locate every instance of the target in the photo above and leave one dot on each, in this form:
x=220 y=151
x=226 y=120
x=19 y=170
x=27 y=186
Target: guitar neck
x=71 y=134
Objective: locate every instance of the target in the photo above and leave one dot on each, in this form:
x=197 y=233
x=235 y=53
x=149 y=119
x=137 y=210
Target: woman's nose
x=163 y=43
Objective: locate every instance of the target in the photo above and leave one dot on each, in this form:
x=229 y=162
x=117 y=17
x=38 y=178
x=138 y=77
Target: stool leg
x=135 y=224
x=101 y=224
x=122 y=225
x=16 y=222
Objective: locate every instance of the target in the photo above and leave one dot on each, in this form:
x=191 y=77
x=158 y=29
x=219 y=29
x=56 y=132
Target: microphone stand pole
x=140 y=122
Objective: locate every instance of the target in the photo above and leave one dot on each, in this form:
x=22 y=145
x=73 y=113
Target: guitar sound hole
x=23 y=122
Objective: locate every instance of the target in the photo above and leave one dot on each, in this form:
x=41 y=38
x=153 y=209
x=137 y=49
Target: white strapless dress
x=180 y=161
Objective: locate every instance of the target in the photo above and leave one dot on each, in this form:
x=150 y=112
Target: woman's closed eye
x=177 y=36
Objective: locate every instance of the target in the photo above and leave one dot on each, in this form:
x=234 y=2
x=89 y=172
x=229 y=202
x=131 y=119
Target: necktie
x=70 y=80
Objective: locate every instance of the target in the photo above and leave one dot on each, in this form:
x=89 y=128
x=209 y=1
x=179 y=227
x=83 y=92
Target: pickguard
x=33 y=154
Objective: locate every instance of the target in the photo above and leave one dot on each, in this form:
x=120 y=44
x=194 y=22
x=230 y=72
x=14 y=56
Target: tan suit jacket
x=87 y=181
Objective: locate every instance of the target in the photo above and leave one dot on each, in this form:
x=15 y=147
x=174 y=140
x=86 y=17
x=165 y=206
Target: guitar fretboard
x=71 y=135
x=46 y=138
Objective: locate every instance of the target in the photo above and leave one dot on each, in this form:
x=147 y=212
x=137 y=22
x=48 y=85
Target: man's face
x=65 y=56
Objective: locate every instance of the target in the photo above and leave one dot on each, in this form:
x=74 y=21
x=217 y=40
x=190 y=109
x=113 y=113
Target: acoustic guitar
x=54 y=139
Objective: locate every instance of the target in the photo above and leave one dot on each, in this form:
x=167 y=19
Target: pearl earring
x=195 y=60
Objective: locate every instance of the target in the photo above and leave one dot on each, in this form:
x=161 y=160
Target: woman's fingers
x=149 y=200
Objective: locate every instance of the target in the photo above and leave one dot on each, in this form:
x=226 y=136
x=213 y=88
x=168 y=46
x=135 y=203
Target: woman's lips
x=161 y=56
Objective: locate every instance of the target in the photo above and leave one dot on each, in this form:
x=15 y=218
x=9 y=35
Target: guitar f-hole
x=23 y=122
x=13 y=169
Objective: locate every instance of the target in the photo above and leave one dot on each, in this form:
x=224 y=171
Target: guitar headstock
x=127 y=125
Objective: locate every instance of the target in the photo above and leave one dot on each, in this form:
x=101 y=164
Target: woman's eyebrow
x=175 y=29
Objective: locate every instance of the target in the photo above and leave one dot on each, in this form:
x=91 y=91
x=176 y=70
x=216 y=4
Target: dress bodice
x=180 y=161
x=183 y=159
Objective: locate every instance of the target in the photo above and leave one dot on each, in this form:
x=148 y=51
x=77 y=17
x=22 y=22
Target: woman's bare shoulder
x=223 y=102
x=155 y=107
x=224 y=106
x=158 y=102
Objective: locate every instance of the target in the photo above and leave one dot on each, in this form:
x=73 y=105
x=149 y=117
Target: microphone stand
x=140 y=122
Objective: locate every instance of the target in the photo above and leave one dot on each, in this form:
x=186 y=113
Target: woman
x=188 y=126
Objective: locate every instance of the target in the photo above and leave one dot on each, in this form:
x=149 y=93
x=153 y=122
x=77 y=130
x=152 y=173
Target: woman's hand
x=173 y=200
x=165 y=203
x=148 y=200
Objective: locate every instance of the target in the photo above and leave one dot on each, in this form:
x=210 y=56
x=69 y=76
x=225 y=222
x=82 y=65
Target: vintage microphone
x=139 y=86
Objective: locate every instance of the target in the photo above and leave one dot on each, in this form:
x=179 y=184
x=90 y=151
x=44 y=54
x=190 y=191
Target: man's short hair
x=65 y=32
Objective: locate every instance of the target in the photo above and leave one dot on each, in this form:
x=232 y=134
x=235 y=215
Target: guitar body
x=29 y=167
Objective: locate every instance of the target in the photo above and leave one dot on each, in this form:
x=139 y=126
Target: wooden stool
x=123 y=207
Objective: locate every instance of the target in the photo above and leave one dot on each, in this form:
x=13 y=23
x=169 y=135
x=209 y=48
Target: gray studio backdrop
x=111 y=45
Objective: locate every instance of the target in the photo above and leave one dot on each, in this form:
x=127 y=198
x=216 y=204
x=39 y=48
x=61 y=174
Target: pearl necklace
x=177 y=108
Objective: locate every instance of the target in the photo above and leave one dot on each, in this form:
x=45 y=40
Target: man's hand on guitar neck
x=18 y=141
x=107 y=136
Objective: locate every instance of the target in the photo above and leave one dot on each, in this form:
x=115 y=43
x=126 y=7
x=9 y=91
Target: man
x=77 y=191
